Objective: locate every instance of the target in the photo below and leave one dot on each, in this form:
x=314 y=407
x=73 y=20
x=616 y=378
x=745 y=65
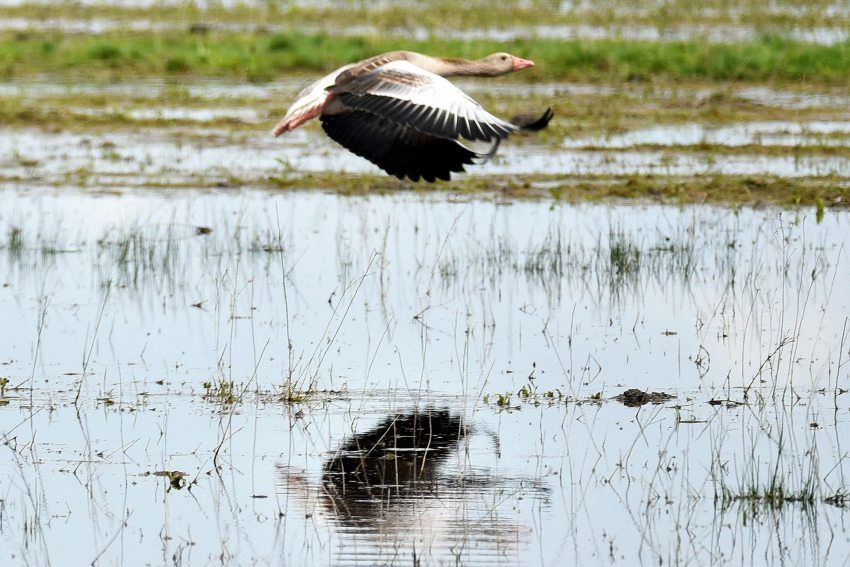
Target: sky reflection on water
x=404 y=310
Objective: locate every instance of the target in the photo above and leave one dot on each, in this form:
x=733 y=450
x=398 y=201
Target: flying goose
x=398 y=111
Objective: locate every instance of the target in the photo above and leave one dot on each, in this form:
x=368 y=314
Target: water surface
x=451 y=370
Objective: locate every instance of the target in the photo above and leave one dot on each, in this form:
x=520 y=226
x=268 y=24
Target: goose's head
x=502 y=63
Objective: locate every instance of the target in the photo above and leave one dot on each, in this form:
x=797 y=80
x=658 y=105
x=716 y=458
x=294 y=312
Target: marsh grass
x=579 y=114
x=624 y=258
x=622 y=262
x=773 y=473
x=140 y=257
x=29 y=249
x=202 y=18
x=528 y=395
x=262 y=57
x=15 y=243
x=4 y=382
x=549 y=259
x=222 y=392
x=267 y=242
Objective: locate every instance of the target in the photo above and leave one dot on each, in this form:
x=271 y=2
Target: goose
x=398 y=111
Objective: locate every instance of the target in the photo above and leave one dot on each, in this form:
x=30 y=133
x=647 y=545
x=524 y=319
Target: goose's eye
x=504 y=57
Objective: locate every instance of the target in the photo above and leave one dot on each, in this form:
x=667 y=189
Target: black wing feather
x=426 y=119
x=399 y=150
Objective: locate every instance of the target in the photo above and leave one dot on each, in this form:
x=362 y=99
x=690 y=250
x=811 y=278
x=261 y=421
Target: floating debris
x=725 y=403
x=634 y=397
x=176 y=479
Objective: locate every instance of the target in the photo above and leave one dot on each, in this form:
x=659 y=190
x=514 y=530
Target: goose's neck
x=453 y=67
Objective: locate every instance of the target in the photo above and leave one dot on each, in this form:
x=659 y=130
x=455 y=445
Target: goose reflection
x=422 y=485
x=401 y=458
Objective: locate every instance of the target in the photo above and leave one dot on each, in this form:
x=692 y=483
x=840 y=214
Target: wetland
x=624 y=340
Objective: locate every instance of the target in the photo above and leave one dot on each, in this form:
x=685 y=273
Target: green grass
x=467 y=15
x=263 y=57
x=624 y=255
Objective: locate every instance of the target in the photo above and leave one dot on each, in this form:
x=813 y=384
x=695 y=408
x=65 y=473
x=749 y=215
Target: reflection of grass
x=269 y=242
x=262 y=57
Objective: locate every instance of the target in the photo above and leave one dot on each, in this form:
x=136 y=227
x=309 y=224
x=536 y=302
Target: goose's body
x=398 y=111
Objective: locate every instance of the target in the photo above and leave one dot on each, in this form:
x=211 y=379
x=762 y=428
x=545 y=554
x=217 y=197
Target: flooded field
x=194 y=375
x=623 y=341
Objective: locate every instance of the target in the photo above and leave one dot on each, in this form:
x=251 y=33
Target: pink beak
x=520 y=63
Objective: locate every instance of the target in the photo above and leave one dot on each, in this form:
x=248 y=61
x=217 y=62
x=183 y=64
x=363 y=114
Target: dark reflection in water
x=401 y=458
x=407 y=491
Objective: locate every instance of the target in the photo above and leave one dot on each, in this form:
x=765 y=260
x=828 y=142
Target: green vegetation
x=265 y=56
x=4 y=381
x=771 y=496
x=432 y=15
x=531 y=396
x=624 y=254
x=223 y=392
x=15 y=243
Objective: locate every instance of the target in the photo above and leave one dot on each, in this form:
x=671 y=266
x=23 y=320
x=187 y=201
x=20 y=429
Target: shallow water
x=530 y=260
x=410 y=313
x=176 y=113
x=286 y=87
x=775 y=133
x=715 y=33
x=185 y=155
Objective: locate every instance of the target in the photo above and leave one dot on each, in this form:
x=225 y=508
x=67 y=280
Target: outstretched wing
x=398 y=149
x=403 y=93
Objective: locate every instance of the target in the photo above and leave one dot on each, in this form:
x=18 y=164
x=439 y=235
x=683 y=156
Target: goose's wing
x=403 y=93
x=398 y=149
x=365 y=66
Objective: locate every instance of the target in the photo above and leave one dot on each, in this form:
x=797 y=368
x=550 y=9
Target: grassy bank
x=262 y=57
